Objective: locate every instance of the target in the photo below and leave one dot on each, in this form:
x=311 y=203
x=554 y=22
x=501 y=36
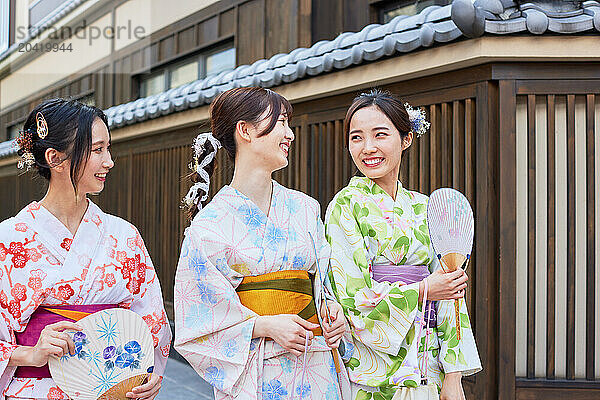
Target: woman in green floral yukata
x=378 y=228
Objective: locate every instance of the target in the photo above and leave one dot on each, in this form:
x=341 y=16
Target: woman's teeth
x=371 y=162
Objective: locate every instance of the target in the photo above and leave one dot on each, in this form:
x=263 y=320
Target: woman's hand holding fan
x=451 y=228
x=114 y=353
x=148 y=390
x=446 y=285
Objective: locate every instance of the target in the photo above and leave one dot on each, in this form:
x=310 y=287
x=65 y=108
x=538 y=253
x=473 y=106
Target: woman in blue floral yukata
x=251 y=274
x=383 y=265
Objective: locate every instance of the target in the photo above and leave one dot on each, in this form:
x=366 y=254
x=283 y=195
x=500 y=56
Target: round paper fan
x=451 y=225
x=114 y=353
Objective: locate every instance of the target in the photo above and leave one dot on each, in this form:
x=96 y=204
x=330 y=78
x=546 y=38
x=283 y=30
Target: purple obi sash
x=407 y=274
x=46 y=315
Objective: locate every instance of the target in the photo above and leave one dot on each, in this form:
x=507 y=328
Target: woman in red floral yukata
x=65 y=252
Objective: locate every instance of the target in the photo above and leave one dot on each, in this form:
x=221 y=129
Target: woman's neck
x=65 y=205
x=389 y=184
x=254 y=183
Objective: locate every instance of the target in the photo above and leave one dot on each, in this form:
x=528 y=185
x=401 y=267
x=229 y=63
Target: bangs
x=277 y=105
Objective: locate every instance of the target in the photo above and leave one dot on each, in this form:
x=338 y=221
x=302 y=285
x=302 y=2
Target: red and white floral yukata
x=42 y=263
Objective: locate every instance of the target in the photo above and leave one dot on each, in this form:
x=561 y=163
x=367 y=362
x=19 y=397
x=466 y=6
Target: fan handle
x=451 y=262
x=120 y=390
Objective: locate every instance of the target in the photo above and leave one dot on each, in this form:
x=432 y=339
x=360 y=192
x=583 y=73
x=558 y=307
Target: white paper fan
x=451 y=226
x=114 y=353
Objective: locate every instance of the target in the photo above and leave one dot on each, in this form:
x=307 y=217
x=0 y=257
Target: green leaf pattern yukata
x=365 y=226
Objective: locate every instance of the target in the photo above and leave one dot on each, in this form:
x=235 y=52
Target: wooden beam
x=531 y=227
x=570 y=237
x=551 y=249
x=507 y=239
x=590 y=318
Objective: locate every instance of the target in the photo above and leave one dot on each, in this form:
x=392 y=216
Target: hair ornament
x=418 y=123
x=42 y=125
x=24 y=143
x=193 y=197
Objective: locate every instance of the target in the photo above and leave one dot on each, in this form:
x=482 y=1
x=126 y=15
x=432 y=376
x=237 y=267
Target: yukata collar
x=362 y=183
x=276 y=190
x=55 y=236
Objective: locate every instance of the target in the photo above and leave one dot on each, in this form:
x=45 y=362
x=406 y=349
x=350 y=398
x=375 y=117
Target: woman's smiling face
x=272 y=148
x=99 y=163
x=375 y=144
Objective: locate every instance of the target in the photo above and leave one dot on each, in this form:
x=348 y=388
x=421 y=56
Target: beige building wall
x=54 y=66
x=22 y=13
x=154 y=15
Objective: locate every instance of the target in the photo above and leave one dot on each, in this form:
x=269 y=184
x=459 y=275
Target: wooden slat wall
x=556 y=240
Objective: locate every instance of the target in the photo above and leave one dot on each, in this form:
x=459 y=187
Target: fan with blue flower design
x=113 y=354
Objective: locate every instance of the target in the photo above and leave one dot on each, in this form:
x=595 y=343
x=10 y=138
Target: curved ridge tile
x=376 y=33
x=446 y=31
x=491 y=6
x=395 y=21
x=407 y=41
x=372 y=50
x=409 y=23
x=440 y=14
x=578 y=23
x=505 y=27
x=424 y=14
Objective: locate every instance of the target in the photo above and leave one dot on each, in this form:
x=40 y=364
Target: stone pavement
x=181 y=382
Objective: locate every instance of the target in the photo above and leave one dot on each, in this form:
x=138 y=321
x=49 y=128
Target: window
x=152 y=85
x=4 y=25
x=183 y=74
x=12 y=131
x=191 y=69
x=388 y=10
x=220 y=61
x=40 y=10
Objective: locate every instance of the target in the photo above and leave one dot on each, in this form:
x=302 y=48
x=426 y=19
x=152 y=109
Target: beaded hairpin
x=25 y=143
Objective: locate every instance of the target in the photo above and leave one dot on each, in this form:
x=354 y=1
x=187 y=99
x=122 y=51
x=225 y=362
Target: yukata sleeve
x=213 y=330
x=323 y=250
x=10 y=314
x=148 y=303
x=7 y=346
x=455 y=355
x=381 y=314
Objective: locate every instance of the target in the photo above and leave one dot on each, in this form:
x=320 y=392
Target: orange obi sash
x=281 y=292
